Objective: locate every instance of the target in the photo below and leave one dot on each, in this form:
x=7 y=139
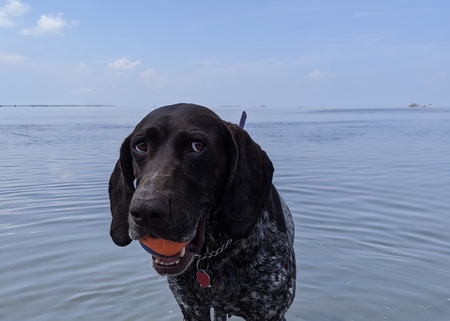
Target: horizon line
x=56 y=105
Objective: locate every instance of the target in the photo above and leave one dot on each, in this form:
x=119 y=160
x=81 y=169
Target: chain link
x=214 y=253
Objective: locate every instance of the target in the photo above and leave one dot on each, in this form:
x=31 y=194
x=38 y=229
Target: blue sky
x=317 y=53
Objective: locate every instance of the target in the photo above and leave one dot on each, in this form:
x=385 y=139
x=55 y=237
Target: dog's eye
x=140 y=147
x=197 y=146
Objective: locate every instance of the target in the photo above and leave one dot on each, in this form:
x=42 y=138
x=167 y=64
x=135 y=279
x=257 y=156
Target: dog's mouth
x=178 y=263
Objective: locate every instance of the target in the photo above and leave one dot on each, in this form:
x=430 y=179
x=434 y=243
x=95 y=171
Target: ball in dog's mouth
x=161 y=247
x=172 y=258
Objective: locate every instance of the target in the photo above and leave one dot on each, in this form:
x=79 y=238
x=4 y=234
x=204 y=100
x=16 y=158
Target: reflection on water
x=368 y=188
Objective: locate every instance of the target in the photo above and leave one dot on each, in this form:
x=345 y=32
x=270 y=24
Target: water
x=369 y=190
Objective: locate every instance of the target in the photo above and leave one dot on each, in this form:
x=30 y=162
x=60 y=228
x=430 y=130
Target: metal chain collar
x=215 y=252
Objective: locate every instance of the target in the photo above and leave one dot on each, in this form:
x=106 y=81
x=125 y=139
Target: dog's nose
x=149 y=213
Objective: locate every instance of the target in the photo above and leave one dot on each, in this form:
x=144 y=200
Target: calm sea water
x=369 y=189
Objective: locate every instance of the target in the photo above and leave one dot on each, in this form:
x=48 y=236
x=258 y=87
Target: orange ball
x=161 y=246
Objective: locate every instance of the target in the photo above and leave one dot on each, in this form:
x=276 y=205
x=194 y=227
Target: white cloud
x=49 y=25
x=83 y=68
x=148 y=74
x=12 y=9
x=124 y=64
x=83 y=90
x=153 y=79
x=315 y=75
x=7 y=57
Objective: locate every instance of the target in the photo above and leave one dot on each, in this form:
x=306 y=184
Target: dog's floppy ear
x=121 y=191
x=249 y=183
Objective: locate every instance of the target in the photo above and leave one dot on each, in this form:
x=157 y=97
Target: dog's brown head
x=181 y=164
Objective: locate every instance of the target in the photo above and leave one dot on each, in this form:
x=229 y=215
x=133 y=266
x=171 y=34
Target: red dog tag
x=204 y=279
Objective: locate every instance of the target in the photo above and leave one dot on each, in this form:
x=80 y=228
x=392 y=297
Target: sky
x=309 y=53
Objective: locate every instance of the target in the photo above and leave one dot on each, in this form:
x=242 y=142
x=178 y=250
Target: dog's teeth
x=164 y=262
x=183 y=252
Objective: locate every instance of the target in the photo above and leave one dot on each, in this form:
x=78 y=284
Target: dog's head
x=181 y=164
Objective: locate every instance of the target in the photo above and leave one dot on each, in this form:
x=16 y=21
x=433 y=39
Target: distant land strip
x=57 y=106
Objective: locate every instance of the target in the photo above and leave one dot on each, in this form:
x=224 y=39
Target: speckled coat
x=185 y=175
x=253 y=278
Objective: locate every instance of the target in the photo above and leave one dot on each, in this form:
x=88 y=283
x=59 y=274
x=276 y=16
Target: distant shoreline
x=57 y=106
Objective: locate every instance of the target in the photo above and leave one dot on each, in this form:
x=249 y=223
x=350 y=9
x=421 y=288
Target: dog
x=185 y=175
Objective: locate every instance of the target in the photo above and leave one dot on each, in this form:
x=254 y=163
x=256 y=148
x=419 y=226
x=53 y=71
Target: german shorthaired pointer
x=185 y=175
